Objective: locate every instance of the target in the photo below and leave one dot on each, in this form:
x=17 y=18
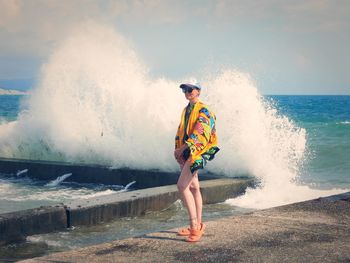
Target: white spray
x=21 y=172
x=96 y=103
x=58 y=180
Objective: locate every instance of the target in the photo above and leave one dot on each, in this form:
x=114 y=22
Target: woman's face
x=192 y=95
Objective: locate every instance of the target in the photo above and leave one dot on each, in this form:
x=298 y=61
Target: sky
x=288 y=47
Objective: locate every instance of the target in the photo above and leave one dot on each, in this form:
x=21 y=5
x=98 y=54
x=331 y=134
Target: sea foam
x=95 y=102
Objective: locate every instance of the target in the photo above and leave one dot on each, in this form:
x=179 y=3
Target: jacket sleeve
x=177 y=138
x=203 y=128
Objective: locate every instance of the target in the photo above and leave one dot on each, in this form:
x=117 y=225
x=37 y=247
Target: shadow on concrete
x=161 y=237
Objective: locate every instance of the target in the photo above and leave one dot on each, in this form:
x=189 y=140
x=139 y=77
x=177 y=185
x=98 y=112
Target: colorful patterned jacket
x=202 y=140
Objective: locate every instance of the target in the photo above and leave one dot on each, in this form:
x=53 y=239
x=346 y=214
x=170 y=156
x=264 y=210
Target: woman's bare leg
x=183 y=184
x=195 y=190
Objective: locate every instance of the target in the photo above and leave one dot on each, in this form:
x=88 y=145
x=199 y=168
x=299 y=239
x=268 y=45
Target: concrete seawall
x=17 y=225
x=135 y=203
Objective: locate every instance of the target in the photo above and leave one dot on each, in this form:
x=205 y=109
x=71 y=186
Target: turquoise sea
x=327 y=123
x=9 y=107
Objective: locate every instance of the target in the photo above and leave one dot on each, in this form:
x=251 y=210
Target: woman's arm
x=178 y=153
x=179 y=149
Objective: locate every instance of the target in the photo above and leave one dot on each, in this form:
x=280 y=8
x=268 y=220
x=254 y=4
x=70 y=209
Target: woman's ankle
x=194 y=223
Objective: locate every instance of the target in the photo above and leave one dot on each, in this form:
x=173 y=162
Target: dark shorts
x=200 y=163
x=186 y=154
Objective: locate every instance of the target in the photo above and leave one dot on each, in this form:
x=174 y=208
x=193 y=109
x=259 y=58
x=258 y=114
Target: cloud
x=248 y=10
x=289 y=16
x=32 y=27
x=273 y=31
x=151 y=11
x=317 y=16
x=9 y=12
x=303 y=62
x=30 y=30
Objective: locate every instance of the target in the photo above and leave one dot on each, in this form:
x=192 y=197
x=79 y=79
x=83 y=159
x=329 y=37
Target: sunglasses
x=187 y=90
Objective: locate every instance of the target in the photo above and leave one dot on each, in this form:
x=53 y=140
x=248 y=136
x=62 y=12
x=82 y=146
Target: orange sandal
x=184 y=232
x=196 y=234
x=187 y=231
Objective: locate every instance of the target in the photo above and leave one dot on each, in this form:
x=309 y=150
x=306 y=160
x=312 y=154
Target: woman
x=195 y=144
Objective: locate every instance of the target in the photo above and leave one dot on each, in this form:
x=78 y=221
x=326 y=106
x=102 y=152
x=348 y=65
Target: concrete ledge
x=219 y=190
x=16 y=226
x=135 y=203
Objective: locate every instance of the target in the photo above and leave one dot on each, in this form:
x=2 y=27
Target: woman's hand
x=178 y=154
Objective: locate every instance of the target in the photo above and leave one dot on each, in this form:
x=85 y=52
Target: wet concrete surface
x=310 y=231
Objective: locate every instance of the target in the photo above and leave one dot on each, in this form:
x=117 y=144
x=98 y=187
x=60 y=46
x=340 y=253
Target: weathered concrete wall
x=82 y=173
x=17 y=225
x=135 y=203
x=216 y=191
x=115 y=206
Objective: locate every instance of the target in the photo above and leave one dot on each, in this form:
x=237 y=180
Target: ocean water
x=107 y=108
x=19 y=192
x=326 y=120
x=9 y=107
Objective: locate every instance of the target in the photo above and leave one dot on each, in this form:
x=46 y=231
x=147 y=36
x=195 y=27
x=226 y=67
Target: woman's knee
x=181 y=186
x=194 y=188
